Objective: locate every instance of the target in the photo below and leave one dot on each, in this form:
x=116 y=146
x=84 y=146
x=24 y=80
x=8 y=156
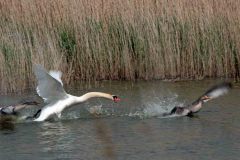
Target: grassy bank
x=115 y=39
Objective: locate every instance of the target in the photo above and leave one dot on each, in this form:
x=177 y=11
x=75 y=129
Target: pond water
x=131 y=129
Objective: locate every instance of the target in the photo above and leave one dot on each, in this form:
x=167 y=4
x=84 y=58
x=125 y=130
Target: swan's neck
x=89 y=95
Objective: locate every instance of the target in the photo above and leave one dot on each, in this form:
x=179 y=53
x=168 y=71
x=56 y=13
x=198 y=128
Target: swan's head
x=115 y=98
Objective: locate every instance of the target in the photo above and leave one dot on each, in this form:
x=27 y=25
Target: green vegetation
x=118 y=40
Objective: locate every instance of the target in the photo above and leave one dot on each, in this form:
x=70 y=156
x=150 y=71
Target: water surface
x=131 y=129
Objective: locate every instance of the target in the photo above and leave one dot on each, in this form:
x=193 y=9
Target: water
x=131 y=129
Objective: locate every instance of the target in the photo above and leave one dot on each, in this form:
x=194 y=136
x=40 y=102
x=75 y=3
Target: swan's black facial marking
x=115 y=98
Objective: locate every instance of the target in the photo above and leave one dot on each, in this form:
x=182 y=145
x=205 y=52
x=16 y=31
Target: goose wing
x=50 y=86
x=218 y=90
x=214 y=92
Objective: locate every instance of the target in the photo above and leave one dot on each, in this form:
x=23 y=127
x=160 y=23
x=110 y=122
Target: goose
x=212 y=93
x=14 y=109
x=50 y=88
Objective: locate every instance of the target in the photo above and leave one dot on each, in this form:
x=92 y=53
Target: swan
x=50 y=88
x=212 y=93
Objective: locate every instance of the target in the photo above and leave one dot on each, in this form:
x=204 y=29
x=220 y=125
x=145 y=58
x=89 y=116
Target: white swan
x=50 y=88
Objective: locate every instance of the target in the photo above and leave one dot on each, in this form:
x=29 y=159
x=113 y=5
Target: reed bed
x=118 y=39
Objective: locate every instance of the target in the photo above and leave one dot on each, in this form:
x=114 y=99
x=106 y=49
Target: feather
x=218 y=90
x=56 y=75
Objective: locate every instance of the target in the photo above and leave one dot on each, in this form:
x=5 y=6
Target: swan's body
x=196 y=106
x=50 y=88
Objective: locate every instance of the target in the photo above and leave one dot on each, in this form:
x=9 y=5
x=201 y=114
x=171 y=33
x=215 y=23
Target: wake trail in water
x=159 y=108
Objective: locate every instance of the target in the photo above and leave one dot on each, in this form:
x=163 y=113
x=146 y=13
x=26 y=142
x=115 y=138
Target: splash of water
x=158 y=108
x=98 y=110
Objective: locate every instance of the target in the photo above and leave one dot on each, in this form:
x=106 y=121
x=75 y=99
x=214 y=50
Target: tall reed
x=116 y=39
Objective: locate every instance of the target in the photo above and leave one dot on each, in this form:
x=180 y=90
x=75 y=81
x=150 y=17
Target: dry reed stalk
x=115 y=39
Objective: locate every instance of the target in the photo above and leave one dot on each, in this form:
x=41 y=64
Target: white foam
x=157 y=108
x=96 y=110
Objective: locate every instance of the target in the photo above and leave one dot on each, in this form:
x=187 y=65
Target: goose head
x=205 y=98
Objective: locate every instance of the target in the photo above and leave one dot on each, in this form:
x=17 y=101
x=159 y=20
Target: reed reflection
x=55 y=137
x=7 y=125
x=104 y=134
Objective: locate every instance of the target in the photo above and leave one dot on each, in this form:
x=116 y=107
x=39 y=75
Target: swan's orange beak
x=116 y=99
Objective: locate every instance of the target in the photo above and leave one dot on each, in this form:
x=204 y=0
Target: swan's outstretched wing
x=49 y=87
x=57 y=75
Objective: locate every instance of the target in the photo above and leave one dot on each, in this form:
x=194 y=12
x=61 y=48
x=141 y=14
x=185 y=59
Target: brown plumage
x=212 y=93
x=13 y=109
